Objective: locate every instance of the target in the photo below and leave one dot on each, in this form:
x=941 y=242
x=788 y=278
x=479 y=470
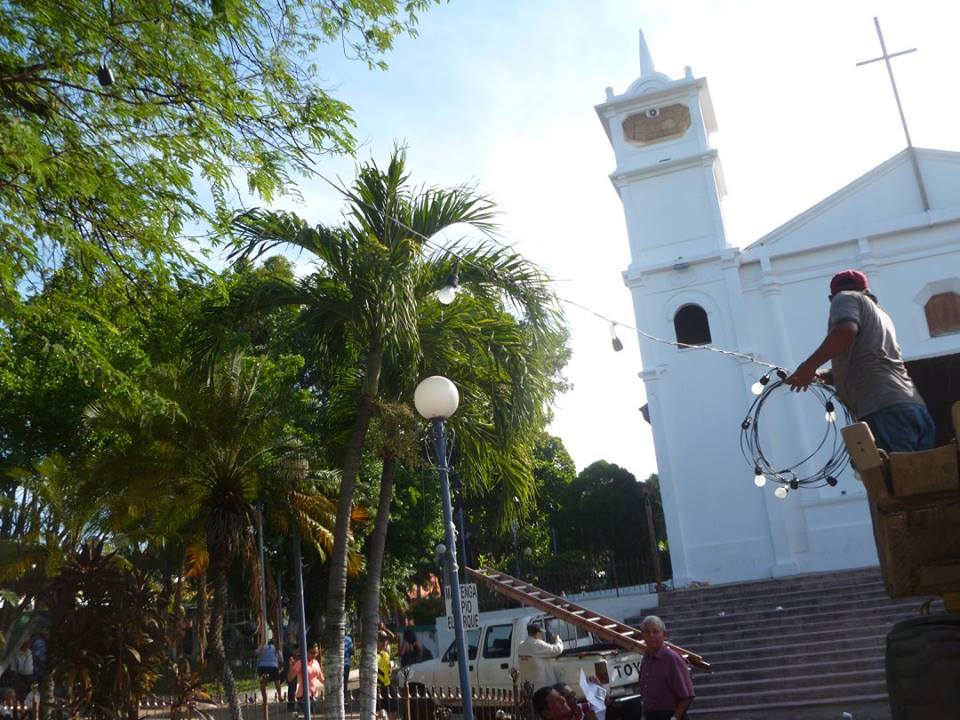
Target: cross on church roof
x=886 y=57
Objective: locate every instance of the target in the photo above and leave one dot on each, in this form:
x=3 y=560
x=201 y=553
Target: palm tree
x=495 y=357
x=361 y=303
x=192 y=465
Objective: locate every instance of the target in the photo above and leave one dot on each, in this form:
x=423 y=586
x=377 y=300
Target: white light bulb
x=830 y=416
x=756 y=388
x=781 y=492
x=759 y=480
x=447 y=294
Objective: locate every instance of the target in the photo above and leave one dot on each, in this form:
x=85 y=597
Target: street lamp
x=296 y=469
x=436 y=399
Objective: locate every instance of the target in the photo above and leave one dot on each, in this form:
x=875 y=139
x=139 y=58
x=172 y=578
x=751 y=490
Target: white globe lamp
x=436 y=397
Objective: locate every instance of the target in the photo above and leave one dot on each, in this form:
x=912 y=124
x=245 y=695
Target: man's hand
x=803 y=376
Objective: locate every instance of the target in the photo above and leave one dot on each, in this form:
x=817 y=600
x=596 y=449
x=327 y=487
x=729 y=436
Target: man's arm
x=681 y=707
x=840 y=337
x=539 y=648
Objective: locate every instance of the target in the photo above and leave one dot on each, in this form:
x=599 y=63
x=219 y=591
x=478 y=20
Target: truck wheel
x=923 y=668
x=422 y=707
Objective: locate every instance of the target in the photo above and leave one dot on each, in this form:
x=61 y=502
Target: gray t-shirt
x=870 y=374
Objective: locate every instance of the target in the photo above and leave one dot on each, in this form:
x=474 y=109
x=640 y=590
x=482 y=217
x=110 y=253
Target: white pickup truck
x=492 y=651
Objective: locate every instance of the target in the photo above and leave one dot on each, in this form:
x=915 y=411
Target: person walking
x=867 y=368
x=268 y=668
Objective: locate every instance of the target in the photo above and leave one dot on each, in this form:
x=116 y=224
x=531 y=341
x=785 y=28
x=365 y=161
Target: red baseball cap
x=848 y=280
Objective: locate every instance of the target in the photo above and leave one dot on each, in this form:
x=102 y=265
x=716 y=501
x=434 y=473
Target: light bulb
x=756 y=388
x=781 y=492
x=830 y=416
x=447 y=294
x=759 y=480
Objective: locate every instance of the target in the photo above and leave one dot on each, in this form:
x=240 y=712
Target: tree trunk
x=370 y=596
x=202 y=612
x=337 y=587
x=217 y=650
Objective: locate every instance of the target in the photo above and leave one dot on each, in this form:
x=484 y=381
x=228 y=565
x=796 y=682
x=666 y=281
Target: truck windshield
x=473 y=640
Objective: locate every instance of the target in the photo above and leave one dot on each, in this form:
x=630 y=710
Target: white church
x=898 y=223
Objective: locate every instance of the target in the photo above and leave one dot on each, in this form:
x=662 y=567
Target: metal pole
x=652 y=538
x=298 y=574
x=263 y=583
x=516 y=547
x=463 y=539
x=462 y=658
x=280 y=637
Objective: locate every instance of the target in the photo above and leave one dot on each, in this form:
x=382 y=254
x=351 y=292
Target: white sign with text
x=470 y=605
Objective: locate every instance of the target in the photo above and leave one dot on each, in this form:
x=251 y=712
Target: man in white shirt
x=536 y=658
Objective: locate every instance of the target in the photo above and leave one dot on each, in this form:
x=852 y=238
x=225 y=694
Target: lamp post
x=296 y=468
x=436 y=399
x=264 y=622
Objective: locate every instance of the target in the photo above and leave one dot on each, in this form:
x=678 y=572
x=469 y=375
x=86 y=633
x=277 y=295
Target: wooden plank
x=861 y=447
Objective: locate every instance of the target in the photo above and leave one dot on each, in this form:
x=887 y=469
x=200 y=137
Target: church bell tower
x=668 y=177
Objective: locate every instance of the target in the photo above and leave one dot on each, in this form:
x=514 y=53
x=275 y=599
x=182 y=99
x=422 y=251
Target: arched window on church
x=943 y=314
x=692 y=325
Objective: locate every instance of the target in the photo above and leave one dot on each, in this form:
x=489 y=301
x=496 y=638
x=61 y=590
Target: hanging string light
x=614 y=340
x=448 y=293
x=788 y=478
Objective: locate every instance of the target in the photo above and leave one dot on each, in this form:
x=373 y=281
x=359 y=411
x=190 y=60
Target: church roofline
x=902 y=157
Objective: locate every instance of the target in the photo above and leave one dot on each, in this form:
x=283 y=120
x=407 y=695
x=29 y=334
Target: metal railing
x=402 y=701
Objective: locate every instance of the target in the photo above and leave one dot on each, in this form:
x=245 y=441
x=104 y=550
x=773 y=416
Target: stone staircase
x=808 y=647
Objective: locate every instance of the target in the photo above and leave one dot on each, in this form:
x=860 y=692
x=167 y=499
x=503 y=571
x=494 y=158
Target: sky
x=501 y=93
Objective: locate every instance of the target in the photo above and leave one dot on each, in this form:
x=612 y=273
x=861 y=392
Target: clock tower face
x=655 y=125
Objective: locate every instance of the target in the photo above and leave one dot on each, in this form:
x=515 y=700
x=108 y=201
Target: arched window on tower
x=692 y=325
x=943 y=314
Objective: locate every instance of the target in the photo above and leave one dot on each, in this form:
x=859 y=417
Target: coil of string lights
x=788 y=478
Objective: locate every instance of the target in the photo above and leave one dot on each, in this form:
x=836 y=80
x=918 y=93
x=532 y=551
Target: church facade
x=899 y=223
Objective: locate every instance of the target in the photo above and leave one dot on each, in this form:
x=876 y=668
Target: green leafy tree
x=194 y=463
x=125 y=124
x=493 y=356
x=107 y=641
x=361 y=308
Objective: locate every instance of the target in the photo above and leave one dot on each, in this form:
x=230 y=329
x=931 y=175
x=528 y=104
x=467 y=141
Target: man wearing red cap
x=868 y=369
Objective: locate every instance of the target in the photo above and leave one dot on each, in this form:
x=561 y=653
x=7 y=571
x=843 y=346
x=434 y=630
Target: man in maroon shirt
x=665 y=682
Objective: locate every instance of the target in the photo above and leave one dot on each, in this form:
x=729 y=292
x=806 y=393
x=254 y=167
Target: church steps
x=788 y=624
x=820 y=680
x=747 y=603
x=806 y=581
x=809 y=664
x=706 y=597
x=789 y=615
x=796 y=695
x=868 y=707
x=709 y=643
x=867 y=650
x=822 y=654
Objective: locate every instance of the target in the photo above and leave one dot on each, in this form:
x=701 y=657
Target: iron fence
x=405 y=702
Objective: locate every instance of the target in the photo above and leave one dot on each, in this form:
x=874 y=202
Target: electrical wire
x=789 y=478
x=786 y=478
x=465 y=260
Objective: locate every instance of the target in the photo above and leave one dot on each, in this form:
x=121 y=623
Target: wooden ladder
x=602 y=627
